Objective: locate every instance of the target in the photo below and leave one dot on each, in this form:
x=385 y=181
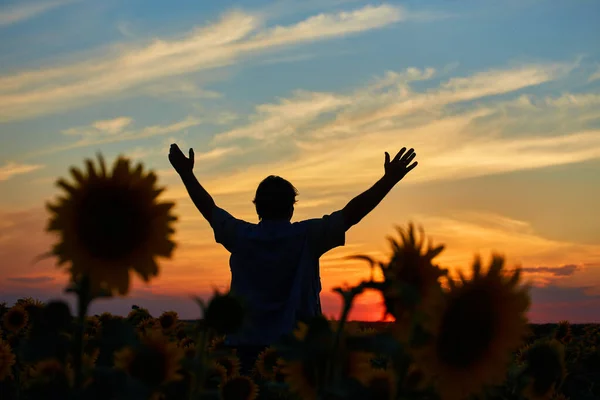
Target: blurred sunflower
x=186 y=342
x=155 y=362
x=381 y=385
x=147 y=325
x=545 y=368
x=189 y=350
x=51 y=371
x=92 y=325
x=238 y=388
x=231 y=363
x=266 y=363
x=304 y=375
x=215 y=375
x=110 y=222
x=168 y=320
x=7 y=360
x=15 y=318
x=31 y=305
x=218 y=344
x=483 y=322
x=411 y=279
x=563 y=332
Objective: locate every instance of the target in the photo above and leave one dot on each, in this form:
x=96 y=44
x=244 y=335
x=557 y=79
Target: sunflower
x=563 y=332
x=155 y=362
x=168 y=320
x=238 y=388
x=266 y=363
x=215 y=375
x=51 y=370
x=7 y=360
x=31 y=305
x=482 y=323
x=231 y=363
x=92 y=325
x=110 y=222
x=304 y=375
x=189 y=350
x=218 y=344
x=381 y=385
x=105 y=317
x=147 y=325
x=411 y=279
x=545 y=368
x=15 y=319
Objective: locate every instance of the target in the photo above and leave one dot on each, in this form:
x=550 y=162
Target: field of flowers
x=451 y=339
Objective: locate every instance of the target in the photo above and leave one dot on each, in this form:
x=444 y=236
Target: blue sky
x=499 y=100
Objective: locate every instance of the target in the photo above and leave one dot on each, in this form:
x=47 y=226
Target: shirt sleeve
x=226 y=227
x=327 y=233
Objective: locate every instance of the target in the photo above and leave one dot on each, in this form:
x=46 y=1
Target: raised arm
x=365 y=202
x=184 y=167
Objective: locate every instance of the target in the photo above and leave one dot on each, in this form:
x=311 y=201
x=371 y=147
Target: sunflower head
x=225 y=313
x=545 y=368
x=266 y=362
x=105 y=316
x=563 y=332
x=411 y=265
x=138 y=314
x=215 y=375
x=147 y=325
x=238 y=388
x=15 y=318
x=481 y=324
x=231 y=363
x=7 y=360
x=110 y=222
x=168 y=320
x=217 y=344
x=154 y=362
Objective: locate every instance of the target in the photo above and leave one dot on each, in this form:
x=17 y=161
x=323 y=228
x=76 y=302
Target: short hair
x=274 y=198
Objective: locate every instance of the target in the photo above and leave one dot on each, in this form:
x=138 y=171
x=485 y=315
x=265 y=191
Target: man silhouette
x=275 y=264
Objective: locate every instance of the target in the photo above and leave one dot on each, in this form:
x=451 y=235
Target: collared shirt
x=275 y=270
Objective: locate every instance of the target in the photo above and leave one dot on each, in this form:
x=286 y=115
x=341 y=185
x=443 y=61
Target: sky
x=499 y=99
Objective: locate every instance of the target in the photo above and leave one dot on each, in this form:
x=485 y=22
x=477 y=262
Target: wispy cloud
x=112 y=131
x=25 y=10
x=236 y=35
x=595 y=76
x=31 y=279
x=452 y=142
x=11 y=169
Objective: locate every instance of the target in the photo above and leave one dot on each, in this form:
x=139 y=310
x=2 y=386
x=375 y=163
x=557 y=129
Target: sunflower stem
x=338 y=334
x=83 y=302
x=200 y=361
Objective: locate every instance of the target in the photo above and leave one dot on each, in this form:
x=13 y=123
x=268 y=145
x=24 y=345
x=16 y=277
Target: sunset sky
x=500 y=99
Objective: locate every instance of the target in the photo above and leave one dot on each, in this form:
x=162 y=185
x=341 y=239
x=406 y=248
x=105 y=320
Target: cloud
x=25 y=10
x=235 y=36
x=595 y=76
x=565 y=270
x=31 y=279
x=554 y=303
x=458 y=129
x=112 y=131
x=11 y=169
x=180 y=89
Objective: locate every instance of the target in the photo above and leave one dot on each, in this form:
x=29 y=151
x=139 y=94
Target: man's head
x=275 y=199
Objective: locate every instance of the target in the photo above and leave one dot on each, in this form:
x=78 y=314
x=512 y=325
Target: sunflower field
x=465 y=339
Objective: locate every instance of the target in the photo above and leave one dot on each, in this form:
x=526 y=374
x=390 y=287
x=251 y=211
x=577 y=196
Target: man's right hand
x=179 y=161
x=397 y=168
